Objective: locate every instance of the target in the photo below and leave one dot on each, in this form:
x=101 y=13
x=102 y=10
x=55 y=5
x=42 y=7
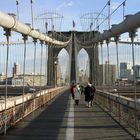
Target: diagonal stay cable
x=112 y=13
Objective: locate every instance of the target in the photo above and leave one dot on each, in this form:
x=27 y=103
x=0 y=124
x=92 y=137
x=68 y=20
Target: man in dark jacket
x=92 y=93
x=89 y=94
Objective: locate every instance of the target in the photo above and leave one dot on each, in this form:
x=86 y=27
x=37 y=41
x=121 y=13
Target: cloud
x=65 y=5
x=70 y=3
x=114 y=5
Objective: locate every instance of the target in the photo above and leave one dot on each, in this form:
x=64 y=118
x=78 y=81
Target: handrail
x=32 y=101
x=122 y=109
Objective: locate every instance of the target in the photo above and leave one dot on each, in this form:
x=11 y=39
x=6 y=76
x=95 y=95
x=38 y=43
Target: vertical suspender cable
x=46 y=27
x=34 y=65
x=25 y=37
x=117 y=56
x=108 y=77
x=107 y=43
x=41 y=67
x=132 y=36
x=93 y=63
x=7 y=34
x=46 y=63
x=34 y=68
x=117 y=40
x=101 y=44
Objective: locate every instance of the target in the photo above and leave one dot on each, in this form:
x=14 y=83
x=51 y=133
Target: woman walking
x=77 y=94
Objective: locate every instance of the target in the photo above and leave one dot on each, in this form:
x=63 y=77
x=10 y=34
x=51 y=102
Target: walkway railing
x=125 y=111
x=19 y=107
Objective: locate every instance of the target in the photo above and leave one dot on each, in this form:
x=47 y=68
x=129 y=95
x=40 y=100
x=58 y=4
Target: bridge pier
x=73 y=63
x=52 y=66
x=93 y=64
x=73 y=49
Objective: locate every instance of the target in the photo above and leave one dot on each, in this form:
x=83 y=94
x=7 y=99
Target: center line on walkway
x=70 y=122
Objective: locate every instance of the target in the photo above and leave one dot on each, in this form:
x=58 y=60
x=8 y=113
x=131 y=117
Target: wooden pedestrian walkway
x=63 y=120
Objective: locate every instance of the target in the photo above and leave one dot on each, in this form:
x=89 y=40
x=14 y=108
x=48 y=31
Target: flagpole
x=73 y=25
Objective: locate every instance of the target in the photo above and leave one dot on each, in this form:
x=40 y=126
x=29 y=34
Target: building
x=16 y=69
x=137 y=72
x=107 y=74
x=125 y=71
x=28 y=80
x=2 y=78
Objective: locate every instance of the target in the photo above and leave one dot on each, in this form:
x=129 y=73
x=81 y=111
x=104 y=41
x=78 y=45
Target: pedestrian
x=77 y=94
x=82 y=89
x=72 y=90
x=92 y=92
x=89 y=95
x=78 y=87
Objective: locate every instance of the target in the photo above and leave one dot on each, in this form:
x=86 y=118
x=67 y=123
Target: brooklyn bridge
x=37 y=67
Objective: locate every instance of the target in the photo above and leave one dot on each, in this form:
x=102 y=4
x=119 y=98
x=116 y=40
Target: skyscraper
x=107 y=74
x=137 y=71
x=16 y=69
x=125 y=70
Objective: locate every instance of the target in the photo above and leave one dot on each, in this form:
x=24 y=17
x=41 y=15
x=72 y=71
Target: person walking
x=89 y=95
x=77 y=94
x=93 y=89
x=82 y=89
x=72 y=90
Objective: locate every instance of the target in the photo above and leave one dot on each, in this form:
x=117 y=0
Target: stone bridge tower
x=73 y=48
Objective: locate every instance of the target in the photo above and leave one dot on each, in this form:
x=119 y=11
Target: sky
x=70 y=10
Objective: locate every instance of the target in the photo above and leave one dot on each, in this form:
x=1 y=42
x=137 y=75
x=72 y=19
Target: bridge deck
x=62 y=120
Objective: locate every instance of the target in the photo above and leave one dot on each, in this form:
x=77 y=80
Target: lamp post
x=55 y=64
